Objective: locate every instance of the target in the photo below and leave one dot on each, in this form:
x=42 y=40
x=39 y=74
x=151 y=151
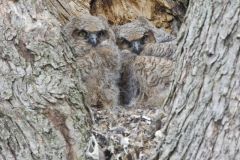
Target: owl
x=97 y=58
x=140 y=37
x=141 y=44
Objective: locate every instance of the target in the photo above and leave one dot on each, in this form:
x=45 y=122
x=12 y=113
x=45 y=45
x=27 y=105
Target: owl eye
x=82 y=33
x=79 y=33
x=148 y=37
x=143 y=39
x=123 y=43
x=101 y=33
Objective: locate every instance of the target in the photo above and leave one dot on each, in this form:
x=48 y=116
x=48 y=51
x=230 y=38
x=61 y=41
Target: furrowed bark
x=204 y=99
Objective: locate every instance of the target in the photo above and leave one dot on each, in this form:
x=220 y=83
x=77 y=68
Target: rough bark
x=205 y=97
x=42 y=112
x=160 y=12
x=163 y=13
x=63 y=10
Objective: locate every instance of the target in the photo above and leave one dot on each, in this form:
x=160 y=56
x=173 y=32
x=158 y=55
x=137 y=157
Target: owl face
x=134 y=36
x=134 y=43
x=91 y=37
x=88 y=32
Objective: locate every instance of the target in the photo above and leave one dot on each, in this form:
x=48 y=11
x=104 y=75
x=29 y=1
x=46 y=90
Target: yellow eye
x=82 y=33
x=79 y=33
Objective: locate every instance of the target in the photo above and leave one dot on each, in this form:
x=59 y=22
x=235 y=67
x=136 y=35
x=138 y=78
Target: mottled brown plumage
x=146 y=71
x=164 y=50
x=146 y=80
x=97 y=59
x=154 y=76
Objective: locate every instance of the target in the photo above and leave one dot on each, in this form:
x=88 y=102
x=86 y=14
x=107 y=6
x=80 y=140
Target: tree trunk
x=160 y=12
x=204 y=121
x=42 y=112
x=163 y=13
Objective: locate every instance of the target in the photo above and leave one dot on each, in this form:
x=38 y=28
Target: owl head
x=134 y=36
x=87 y=32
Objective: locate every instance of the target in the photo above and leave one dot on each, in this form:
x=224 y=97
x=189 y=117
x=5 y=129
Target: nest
x=125 y=133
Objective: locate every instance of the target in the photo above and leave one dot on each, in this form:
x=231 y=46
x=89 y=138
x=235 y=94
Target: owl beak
x=137 y=48
x=92 y=39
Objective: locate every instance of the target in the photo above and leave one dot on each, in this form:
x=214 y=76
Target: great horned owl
x=140 y=36
x=137 y=40
x=97 y=58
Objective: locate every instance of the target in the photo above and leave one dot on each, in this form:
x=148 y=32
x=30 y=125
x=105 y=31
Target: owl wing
x=152 y=71
x=163 y=50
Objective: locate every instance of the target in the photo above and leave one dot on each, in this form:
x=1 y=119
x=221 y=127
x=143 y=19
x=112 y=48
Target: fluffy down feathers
x=97 y=63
